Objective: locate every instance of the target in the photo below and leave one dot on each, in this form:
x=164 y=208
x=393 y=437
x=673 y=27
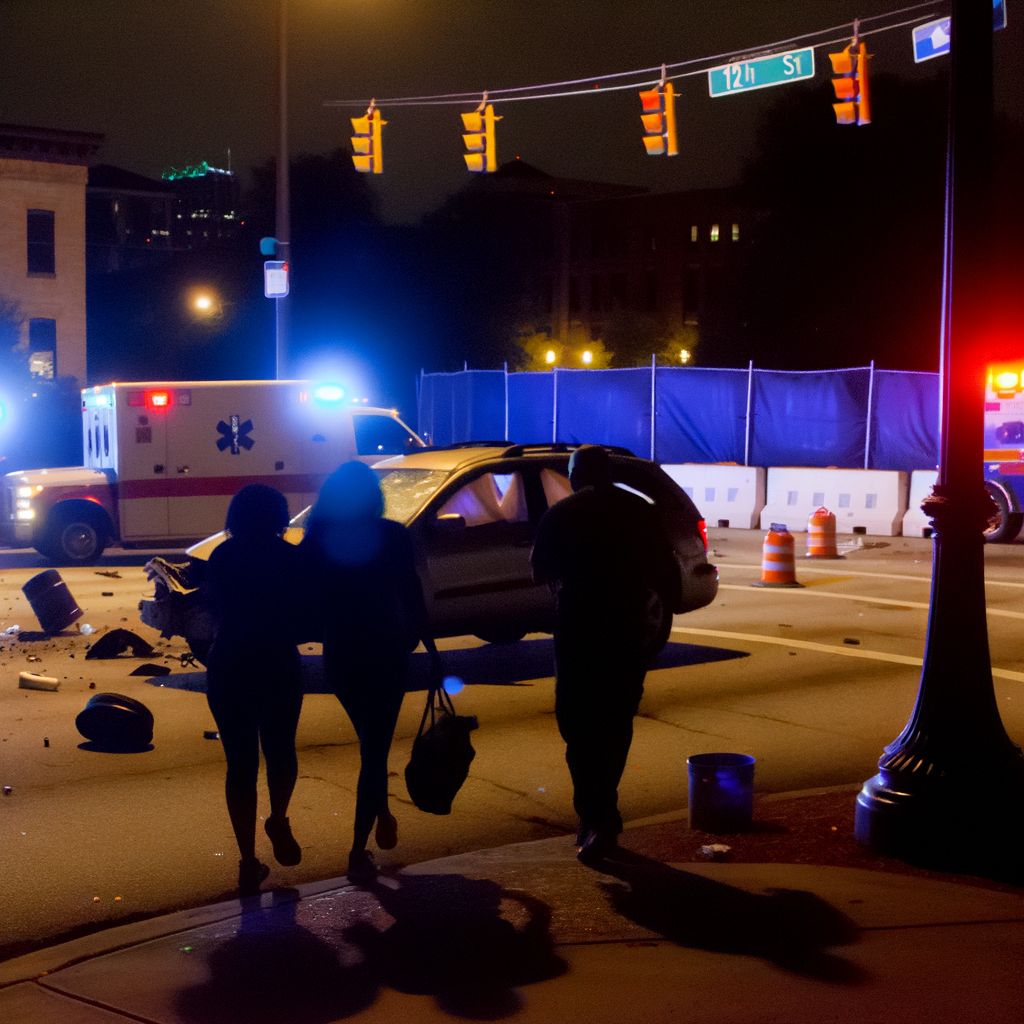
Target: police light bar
x=329 y=393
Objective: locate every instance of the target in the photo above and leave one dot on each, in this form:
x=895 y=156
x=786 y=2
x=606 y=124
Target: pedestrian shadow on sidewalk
x=790 y=928
x=469 y=943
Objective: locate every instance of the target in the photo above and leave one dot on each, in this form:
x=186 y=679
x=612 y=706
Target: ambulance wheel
x=74 y=538
x=1006 y=524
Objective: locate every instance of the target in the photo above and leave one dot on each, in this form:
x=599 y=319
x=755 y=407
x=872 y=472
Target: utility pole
x=282 y=226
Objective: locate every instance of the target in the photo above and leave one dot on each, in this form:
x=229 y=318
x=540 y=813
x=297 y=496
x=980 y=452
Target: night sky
x=171 y=83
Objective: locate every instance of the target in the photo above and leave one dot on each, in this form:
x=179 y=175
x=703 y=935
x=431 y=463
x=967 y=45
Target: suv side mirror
x=449 y=524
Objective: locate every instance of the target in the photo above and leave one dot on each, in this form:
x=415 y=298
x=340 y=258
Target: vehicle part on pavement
x=149 y=670
x=31 y=681
x=1006 y=524
x=51 y=601
x=116 y=642
x=114 y=722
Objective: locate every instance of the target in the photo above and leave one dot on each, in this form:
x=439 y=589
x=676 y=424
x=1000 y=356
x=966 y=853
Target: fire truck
x=1004 y=448
x=163 y=460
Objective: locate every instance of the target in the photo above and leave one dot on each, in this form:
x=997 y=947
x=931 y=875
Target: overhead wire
x=557 y=90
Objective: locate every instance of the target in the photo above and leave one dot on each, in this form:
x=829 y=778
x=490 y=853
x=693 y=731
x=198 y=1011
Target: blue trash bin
x=721 y=792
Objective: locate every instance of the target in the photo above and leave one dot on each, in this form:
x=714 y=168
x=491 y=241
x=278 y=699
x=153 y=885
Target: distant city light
x=587 y=357
x=549 y=356
x=684 y=355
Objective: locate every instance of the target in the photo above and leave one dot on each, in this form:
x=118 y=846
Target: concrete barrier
x=870 y=501
x=733 y=493
x=915 y=522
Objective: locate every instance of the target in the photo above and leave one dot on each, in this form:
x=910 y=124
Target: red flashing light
x=159 y=399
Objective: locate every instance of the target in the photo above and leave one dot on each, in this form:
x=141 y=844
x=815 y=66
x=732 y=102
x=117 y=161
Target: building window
x=694 y=234
x=41 y=259
x=651 y=291
x=714 y=232
x=42 y=347
x=735 y=232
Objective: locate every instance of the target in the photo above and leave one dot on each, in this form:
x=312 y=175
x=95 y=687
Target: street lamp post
x=282 y=226
x=950 y=788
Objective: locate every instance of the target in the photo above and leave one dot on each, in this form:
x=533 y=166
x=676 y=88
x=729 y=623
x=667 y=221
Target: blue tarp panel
x=612 y=407
x=463 y=406
x=809 y=419
x=531 y=407
x=701 y=414
x=905 y=420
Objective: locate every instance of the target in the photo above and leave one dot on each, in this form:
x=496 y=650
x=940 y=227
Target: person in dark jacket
x=254 y=687
x=373 y=614
x=606 y=556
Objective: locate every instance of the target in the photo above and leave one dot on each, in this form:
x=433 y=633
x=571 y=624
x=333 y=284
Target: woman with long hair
x=373 y=617
x=254 y=685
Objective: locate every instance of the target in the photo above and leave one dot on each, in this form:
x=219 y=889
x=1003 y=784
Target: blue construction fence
x=858 y=418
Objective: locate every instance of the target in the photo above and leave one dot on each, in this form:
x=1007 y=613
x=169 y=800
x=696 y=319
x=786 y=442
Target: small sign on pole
x=275 y=279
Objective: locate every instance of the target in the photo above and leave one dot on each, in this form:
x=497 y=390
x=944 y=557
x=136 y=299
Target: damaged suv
x=472 y=510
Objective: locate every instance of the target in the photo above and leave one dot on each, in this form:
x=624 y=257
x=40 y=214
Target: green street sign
x=747 y=75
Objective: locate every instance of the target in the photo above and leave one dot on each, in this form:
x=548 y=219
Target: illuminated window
x=694 y=234
x=41 y=251
x=714 y=232
x=42 y=343
x=735 y=232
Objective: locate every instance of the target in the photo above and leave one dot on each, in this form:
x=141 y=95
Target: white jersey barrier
x=915 y=522
x=870 y=501
x=723 y=493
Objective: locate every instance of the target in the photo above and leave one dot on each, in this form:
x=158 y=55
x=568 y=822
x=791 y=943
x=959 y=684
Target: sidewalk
x=526 y=931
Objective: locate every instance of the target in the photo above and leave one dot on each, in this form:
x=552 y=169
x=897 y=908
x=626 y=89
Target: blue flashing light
x=1 y=412
x=452 y=684
x=329 y=393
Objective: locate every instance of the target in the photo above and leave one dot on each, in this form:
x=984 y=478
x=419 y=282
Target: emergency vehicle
x=1004 y=448
x=163 y=460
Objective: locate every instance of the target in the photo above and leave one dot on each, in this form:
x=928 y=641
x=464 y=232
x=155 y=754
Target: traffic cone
x=778 y=562
x=821 y=535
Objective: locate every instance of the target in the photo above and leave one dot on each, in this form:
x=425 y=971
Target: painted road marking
x=845 y=651
x=999 y=612
x=871 y=575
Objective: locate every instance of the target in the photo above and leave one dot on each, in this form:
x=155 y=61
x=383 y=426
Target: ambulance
x=163 y=460
x=1004 y=448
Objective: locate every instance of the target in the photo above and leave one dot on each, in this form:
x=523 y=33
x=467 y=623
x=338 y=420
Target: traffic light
x=851 y=85
x=479 y=139
x=367 y=153
x=659 y=118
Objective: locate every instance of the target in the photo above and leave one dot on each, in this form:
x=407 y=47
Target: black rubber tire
x=497 y=637
x=74 y=539
x=1009 y=522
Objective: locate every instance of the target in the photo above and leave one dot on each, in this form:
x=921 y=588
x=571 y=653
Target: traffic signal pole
x=950 y=788
x=282 y=226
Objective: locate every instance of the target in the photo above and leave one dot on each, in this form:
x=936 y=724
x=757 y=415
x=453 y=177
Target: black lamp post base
x=975 y=828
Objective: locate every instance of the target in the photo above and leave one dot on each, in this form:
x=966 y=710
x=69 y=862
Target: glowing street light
x=587 y=357
x=684 y=355
x=549 y=356
x=204 y=303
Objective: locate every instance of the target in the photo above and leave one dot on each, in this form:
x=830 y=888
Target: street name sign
x=932 y=38
x=761 y=72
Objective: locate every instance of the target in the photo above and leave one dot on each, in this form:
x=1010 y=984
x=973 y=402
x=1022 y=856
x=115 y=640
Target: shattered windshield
x=405 y=491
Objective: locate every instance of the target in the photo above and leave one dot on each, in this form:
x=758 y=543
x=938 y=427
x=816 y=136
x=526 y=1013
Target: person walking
x=254 y=685
x=373 y=617
x=608 y=559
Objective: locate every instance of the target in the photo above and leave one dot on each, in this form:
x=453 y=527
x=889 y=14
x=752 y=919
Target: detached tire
x=1005 y=527
x=74 y=537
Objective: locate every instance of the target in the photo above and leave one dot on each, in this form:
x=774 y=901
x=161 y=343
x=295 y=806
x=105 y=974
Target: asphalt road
x=812 y=682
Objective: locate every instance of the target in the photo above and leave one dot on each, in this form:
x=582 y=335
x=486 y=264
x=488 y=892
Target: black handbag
x=441 y=752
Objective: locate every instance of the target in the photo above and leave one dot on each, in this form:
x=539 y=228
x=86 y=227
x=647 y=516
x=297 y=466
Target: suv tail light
x=703 y=527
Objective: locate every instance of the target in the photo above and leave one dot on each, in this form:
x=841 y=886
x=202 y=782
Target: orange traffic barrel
x=778 y=561
x=821 y=535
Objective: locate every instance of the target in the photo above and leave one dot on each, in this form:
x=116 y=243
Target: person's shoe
x=251 y=875
x=386 y=832
x=286 y=850
x=361 y=868
x=595 y=847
